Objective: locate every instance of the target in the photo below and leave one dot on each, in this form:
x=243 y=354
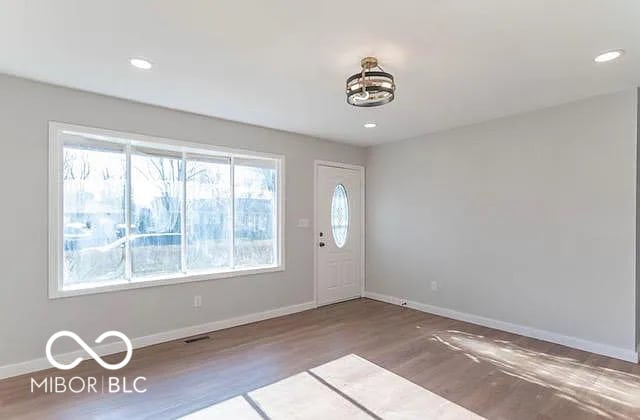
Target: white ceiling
x=283 y=63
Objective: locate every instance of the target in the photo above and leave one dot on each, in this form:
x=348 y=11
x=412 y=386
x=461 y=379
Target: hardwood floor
x=494 y=374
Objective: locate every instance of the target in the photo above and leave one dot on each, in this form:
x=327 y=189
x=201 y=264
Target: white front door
x=338 y=234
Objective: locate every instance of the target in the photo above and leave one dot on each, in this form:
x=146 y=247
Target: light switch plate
x=304 y=223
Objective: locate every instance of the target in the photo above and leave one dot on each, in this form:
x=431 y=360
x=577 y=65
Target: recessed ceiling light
x=370 y=125
x=608 y=56
x=140 y=63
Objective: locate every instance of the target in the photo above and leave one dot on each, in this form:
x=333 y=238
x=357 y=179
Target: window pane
x=93 y=225
x=208 y=215
x=339 y=215
x=255 y=192
x=156 y=198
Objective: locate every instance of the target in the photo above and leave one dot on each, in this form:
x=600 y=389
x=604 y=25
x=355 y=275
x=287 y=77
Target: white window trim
x=56 y=144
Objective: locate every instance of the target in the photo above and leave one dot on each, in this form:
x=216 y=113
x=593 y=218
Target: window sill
x=118 y=285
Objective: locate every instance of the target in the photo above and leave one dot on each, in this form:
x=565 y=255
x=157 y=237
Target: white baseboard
x=148 y=340
x=574 y=342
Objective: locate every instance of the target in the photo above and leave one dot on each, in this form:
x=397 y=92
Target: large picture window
x=132 y=211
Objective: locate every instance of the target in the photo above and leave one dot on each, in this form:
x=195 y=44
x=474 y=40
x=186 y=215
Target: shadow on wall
x=599 y=390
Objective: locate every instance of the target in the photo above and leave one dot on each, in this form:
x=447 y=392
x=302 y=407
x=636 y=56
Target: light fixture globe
x=372 y=86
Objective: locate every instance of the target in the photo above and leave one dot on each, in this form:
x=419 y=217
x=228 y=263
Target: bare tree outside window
x=156 y=215
x=93 y=228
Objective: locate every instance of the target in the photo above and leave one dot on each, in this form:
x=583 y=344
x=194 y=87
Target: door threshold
x=333 y=302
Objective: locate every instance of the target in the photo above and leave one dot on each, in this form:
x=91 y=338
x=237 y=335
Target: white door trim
x=360 y=169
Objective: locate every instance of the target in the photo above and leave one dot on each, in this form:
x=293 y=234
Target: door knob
x=321 y=244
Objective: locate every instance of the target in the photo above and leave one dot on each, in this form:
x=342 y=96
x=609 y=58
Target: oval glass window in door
x=340 y=215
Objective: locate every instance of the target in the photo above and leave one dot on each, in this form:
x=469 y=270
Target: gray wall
x=528 y=219
x=28 y=317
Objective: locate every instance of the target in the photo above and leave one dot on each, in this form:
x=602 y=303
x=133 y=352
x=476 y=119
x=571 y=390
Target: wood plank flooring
x=494 y=374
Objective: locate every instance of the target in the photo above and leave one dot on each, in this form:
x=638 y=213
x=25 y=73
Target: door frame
x=360 y=170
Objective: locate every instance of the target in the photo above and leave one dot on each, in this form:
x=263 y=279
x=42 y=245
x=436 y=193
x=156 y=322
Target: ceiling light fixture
x=608 y=56
x=370 y=125
x=372 y=86
x=140 y=63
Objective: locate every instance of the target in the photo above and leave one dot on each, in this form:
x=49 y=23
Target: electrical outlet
x=197 y=301
x=434 y=286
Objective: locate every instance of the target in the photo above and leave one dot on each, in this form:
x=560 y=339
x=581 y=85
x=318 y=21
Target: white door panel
x=338 y=234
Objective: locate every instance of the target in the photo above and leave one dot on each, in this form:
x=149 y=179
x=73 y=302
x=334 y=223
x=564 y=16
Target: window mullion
x=127 y=215
x=183 y=216
x=232 y=251
x=276 y=221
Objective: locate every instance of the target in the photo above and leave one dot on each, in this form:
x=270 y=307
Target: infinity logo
x=89 y=350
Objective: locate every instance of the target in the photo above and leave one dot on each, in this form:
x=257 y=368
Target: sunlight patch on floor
x=303 y=397
x=234 y=408
x=603 y=391
x=386 y=394
x=349 y=387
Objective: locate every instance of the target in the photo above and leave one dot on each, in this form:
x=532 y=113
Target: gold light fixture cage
x=372 y=86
